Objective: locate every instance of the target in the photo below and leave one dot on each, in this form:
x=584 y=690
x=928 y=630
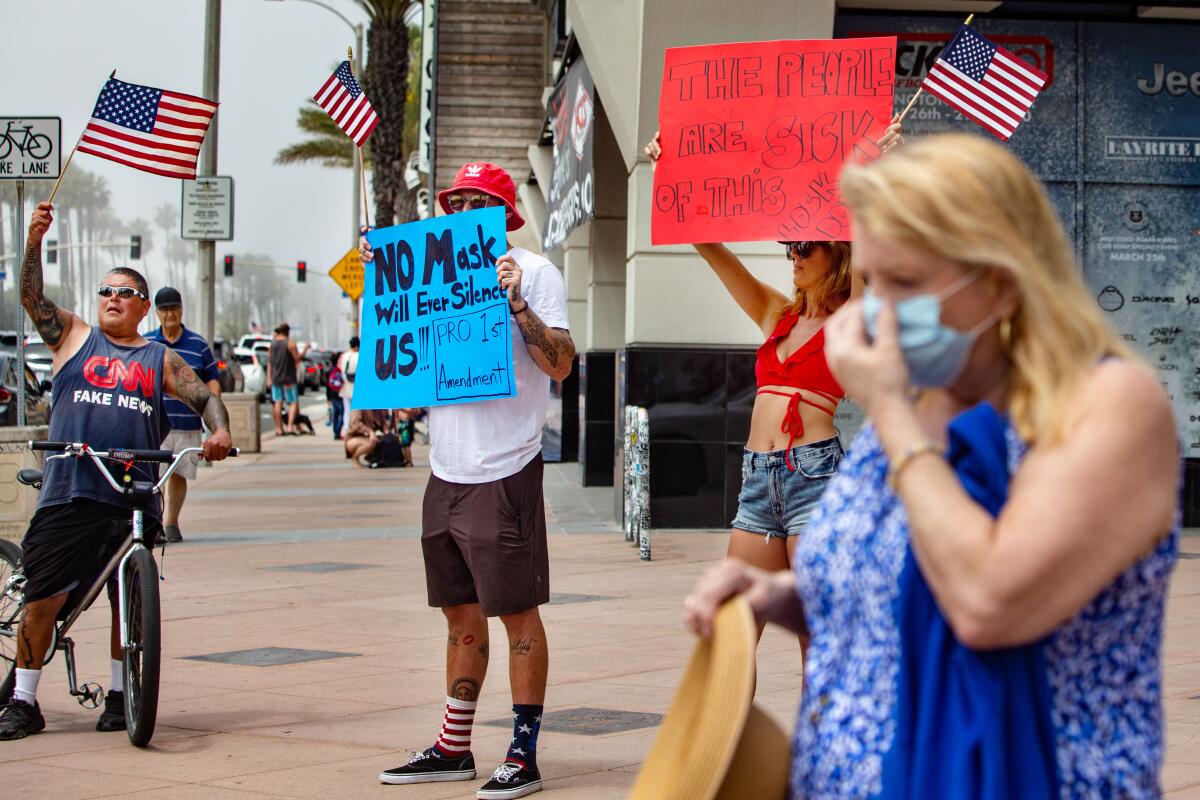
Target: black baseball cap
x=167 y=297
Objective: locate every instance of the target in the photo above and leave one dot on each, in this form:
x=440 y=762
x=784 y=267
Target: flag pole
x=54 y=189
x=921 y=90
x=362 y=171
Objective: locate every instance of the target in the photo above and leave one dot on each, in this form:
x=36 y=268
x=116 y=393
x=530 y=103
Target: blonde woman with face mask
x=976 y=313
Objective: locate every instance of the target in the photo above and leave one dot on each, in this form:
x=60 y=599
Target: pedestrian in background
x=348 y=363
x=336 y=408
x=186 y=426
x=283 y=363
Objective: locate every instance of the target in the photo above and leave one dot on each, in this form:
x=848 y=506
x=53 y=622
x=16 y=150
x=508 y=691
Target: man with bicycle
x=109 y=387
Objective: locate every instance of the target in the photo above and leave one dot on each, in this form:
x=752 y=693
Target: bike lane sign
x=30 y=147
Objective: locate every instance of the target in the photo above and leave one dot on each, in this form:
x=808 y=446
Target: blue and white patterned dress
x=1104 y=665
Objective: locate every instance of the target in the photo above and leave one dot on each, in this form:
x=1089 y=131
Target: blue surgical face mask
x=934 y=353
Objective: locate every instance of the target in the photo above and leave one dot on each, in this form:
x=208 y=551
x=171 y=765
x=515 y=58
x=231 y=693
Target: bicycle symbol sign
x=30 y=147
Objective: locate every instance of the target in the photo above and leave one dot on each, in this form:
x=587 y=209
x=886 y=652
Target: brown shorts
x=486 y=543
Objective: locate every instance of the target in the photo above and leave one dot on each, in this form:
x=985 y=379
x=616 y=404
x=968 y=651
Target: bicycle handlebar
x=80 y=449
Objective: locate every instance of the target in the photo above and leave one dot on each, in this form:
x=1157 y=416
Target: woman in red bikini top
x=793 y=450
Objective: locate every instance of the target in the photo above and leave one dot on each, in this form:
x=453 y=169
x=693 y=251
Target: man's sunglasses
x=459 y=203
x=801 y=249
x=123 y=292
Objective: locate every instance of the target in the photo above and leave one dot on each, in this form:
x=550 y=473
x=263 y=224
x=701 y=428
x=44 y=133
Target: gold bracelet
x=909 y=454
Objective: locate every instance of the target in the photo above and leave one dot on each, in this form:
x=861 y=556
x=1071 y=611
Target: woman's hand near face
x=872 y=373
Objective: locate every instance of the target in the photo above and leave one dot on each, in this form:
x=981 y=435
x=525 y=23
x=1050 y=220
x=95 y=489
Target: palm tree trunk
x=386 y=83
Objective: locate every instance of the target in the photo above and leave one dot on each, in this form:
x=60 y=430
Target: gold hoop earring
x=1006 y=336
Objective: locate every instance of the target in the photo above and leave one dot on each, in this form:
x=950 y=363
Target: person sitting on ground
x=363 y=432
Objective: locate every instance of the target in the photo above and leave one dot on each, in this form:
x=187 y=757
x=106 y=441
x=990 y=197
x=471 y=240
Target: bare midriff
x=767 y=433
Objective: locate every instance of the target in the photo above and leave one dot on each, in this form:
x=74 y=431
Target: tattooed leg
x=466 y=650
x=529 y=658
x=36 y=629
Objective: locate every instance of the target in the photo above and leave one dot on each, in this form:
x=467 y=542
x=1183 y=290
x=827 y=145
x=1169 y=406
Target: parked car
x=254 y=362
x=230 y=376
x=39 y=358
x=37 y=393
x=250 y=339
x=316 y=366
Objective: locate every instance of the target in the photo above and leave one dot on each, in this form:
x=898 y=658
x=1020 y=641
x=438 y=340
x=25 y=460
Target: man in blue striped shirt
x=186 y=428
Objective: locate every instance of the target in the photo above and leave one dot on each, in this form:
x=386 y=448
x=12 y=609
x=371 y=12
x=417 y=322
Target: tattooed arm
x=552 y=349
x=183 y=384
x=52 y=323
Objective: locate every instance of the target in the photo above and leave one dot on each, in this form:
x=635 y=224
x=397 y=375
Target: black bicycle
x=137 y=592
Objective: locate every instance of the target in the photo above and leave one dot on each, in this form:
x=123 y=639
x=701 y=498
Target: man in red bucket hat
x=483 y=519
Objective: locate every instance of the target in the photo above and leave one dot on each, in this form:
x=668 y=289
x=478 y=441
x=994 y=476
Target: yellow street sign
x=348 y=274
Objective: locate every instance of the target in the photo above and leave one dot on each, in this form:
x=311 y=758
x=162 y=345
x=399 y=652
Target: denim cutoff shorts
x=776 y=501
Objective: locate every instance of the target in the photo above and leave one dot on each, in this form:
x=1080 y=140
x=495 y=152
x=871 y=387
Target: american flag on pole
x=148 y=129
x=343 y=99
x=985 y=82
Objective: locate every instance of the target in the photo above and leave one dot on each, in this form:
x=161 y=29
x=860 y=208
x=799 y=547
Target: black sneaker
x=18 y=719
x=511 y=780
x=172 y=533
x=430 y=766
x=113 y=716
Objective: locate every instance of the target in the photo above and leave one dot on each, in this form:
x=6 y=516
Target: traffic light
x=228 y=266
x=135 y=248
x=301 y=271
x=52 y=251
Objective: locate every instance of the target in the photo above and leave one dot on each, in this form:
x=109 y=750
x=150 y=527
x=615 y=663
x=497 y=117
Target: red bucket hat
x=489 y=179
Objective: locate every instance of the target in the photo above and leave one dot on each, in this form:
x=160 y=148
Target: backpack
x=336 y=380
x=388 y=452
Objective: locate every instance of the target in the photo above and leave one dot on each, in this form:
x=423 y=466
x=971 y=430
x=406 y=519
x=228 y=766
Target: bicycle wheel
x=5 y=146
x=142 y=650
x=12 y=598
x=39 y=146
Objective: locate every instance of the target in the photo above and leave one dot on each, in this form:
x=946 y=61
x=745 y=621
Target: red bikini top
x=804 y=369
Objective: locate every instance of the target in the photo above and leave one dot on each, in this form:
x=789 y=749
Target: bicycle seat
x=30 y=477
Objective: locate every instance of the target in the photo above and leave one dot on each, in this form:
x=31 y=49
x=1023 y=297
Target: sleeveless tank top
x=283 y=366
x=109 y=397
x=805 y=369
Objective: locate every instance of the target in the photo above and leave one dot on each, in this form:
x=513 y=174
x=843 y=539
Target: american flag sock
x=455 y=738
x=527 y=720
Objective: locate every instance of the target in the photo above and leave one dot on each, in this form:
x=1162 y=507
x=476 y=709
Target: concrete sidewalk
x=300 y=657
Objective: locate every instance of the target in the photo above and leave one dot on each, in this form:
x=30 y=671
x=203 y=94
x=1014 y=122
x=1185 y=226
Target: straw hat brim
x=714 y=743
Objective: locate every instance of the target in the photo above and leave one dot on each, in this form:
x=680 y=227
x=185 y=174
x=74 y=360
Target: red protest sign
x=754 y=136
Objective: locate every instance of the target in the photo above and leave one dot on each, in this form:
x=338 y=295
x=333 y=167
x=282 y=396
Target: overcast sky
x=274 y=55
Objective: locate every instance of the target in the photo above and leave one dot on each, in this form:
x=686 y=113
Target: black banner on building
x=571 y=116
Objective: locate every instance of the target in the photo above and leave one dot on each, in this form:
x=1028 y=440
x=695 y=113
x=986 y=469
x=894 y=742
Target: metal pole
x=206 y=251
x=358 y=188
x=20 y=310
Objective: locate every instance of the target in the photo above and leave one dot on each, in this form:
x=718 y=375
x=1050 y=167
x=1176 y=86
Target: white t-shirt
x=348 y=364
x=490 y=440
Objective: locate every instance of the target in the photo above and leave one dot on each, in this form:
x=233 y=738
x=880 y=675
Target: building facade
x=1115 y=137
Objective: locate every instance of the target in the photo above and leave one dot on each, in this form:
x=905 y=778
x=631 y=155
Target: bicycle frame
x=133 y=542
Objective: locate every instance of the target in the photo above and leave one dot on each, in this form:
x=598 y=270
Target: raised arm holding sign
x=754 y=137
x=483 y=520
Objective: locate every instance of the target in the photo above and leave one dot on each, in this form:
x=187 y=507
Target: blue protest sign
x=435 y=323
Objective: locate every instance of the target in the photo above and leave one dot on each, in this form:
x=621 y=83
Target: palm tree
x=386 y=82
